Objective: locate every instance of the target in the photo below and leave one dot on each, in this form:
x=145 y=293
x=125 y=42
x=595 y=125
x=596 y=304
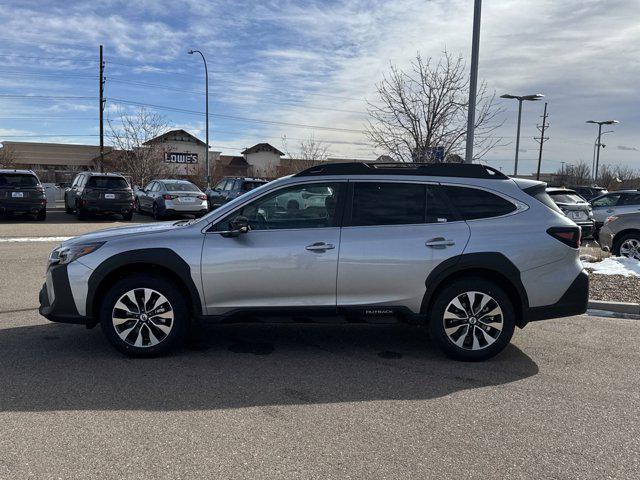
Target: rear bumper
x=33 y=206
x=107 y=207
x=573 y=302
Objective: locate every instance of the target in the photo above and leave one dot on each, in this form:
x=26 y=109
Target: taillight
x=202 y=197
x=169 y=197
x=568 y=235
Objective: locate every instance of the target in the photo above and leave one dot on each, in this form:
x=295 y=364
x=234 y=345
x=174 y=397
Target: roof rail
x=469 y=170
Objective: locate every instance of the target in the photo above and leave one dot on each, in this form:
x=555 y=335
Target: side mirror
x=238 y=226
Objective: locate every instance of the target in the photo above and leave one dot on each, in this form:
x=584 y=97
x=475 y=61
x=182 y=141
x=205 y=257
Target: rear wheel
x=42 y=215
x=144 y=316
x=628 y=246
x=472 y=319
x=80 y=212
x=156 y=212
x=67 y=208
x=127 y=216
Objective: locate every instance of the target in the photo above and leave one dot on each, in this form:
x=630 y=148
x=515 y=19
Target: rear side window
x=107 y=182
x=12 y=180
x=630 y=199
x=472 y=203
x=388 y=204
x=438 y=208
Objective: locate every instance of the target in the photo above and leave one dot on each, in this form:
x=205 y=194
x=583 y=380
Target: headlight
x=67 y=254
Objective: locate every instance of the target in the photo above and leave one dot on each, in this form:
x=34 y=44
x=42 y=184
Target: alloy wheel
x=630 y=248
x=473 y=320
x=142 y=317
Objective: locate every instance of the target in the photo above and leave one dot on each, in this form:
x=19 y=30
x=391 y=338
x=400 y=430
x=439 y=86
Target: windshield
x=111 y=183
x=181 y=187
x=566 y=197
x=17 y=180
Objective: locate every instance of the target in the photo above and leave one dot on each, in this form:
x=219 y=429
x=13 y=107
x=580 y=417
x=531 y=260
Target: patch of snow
x=615 y=266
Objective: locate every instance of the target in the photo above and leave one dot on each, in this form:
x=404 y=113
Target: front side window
x=473 y=203
x=388 y=204
x=607 y=200
x=630 y=199
x=300 y=206
x=228 y=185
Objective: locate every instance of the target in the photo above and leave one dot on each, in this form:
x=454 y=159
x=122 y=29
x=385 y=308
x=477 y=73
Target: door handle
x=320 y=247
x=439 y=242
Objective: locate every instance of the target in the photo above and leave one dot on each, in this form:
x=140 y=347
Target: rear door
x=394 y=235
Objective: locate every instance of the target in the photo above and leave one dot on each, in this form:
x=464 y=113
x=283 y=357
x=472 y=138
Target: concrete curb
x=615 y=307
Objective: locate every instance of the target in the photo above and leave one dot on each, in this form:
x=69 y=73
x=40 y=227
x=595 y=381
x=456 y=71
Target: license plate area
x=17 y=194
x=109 y=196
x=187 y=199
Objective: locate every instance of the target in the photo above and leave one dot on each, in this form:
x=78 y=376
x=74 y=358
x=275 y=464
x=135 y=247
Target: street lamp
x=600 y=123
x=531 y=98
x=473 y=81
x=595 y=145
x=206 y=80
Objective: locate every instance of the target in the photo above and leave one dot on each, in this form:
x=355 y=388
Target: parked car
x=574 y=207
x=588 y=192
x=231 y=187
x=21 y=192
x=460 y=249
x=620 y=235
x=166 y=197
x=614 y=203
x=99 y=193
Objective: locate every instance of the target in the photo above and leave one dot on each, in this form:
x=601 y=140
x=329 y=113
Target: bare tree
x=310 y=152
x=574 y=174
x=425 y=108
x=134 y=155
x=7 y=157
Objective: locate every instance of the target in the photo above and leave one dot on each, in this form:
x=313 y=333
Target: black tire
x=137 y=206
x=42 y=215
x=127 y=217
x=80 y=213
x=178 y=327
x=465 y=351
x=620 y=241
x=156 y=212
x=67 y=208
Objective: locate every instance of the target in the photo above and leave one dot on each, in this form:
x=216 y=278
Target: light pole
x=595 y=145
x=473 y=81
x=522 y=98
x=600 y=123
x=206 y=152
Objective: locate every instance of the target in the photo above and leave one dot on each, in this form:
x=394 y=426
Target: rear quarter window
x=473 y=203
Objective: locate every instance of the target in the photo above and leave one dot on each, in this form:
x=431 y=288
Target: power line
x=232 y=117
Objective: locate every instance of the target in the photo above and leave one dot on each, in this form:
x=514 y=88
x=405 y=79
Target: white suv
x=459 y=249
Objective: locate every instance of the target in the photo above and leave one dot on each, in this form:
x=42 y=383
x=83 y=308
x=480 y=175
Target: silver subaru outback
x=461 y=250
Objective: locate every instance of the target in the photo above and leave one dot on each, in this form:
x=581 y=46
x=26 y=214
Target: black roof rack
x=469 y=170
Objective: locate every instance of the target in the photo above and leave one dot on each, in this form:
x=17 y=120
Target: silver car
x=615 y=203
x=461 y=250
x=620 y=235
x=164 y=198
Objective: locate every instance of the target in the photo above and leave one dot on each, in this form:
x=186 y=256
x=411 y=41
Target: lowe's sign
x=175 y=157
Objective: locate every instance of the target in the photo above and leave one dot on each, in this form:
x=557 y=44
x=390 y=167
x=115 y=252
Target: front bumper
x=56 y=299
x=574 y=301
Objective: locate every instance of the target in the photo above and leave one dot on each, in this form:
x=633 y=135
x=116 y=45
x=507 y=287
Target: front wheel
x=144 y=316
x=472 y=319
x=628 y=246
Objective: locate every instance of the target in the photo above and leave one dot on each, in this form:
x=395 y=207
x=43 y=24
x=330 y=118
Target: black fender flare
x=494 y=262
x=164 y=258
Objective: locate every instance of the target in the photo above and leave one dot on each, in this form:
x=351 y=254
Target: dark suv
x=22 y=192
x=229 y=188
x=104 y=193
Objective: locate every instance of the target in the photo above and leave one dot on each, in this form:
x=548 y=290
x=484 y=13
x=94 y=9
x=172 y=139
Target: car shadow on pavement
x=65 y=367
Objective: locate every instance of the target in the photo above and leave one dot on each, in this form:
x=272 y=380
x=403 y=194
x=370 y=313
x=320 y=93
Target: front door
x=395 y=233
x=289 y=258
x=604 y=207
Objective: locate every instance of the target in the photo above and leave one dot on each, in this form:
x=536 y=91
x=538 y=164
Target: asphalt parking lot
x=309 y=401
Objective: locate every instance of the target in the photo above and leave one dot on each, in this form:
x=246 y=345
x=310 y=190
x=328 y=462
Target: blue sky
x=280 y=67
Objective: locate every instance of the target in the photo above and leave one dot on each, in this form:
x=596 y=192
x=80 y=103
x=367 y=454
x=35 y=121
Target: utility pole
x=102 y=104
x=541 y=139
x=473 y=81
